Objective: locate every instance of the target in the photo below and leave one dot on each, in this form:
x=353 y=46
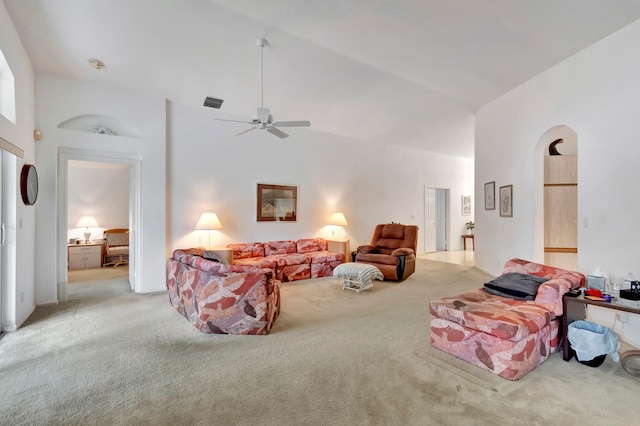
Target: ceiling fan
x=263 y=118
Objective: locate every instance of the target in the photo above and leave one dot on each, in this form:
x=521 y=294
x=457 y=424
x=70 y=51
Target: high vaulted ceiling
x=407 y=72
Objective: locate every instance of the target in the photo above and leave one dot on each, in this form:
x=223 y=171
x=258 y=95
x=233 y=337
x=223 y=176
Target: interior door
x=2 y=240
x=429 y=220
x=441 y=219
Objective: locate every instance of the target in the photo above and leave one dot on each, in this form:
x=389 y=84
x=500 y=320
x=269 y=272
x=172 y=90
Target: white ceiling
x=407 y=72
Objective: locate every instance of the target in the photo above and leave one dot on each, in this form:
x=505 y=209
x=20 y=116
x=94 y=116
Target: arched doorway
x=560 y=197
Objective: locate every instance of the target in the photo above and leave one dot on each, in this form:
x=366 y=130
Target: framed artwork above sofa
x=276 y=203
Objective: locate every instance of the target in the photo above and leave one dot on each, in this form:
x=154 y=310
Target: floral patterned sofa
x=506 y=336
x=222 y=299
x=289 y=260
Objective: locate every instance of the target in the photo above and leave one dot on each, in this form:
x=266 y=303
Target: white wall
x=100 y=190
x=213 y=170
x=596 y=94
x=59 y=100
x=18 y=266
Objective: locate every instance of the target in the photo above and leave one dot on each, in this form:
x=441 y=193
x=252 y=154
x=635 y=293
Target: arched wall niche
x=568 y=147
x=100 y=124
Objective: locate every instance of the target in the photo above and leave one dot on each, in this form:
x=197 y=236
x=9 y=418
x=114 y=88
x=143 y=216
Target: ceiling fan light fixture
x=263 y=119
x=96 y=64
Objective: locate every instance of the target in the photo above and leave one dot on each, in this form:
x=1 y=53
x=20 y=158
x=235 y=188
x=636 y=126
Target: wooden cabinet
x=85 y=256
x=340 y=246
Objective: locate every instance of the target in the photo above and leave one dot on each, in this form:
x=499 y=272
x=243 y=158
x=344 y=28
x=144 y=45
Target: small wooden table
x=224 y=252
x=340 y=246
x=464 y=240
x=573 y=309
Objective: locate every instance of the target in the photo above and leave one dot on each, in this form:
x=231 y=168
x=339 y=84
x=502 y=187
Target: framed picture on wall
x=277 y=203
x=506 y=201
x=466 y=205
x=490 y=195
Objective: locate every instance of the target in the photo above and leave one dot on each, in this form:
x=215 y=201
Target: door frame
x=135 y=211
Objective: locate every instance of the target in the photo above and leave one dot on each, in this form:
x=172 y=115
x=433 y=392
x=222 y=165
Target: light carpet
x=334 y=357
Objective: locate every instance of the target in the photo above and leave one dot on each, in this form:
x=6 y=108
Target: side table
x=224 y=252
x=573 y=309
x=340 y=246
x=471 y=237
x=85 y=256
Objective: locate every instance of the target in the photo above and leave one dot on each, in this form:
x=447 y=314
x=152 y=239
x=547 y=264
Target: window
x=7 y=91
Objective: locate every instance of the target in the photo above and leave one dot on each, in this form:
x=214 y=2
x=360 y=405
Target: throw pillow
x=212 y=255
x=515 y=285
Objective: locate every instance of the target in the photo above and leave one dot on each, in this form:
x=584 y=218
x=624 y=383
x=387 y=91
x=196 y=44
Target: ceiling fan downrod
x=261 y=42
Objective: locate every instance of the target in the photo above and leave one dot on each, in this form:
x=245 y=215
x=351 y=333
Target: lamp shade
x=86 y=222
x=208 y=221
x=338 y=219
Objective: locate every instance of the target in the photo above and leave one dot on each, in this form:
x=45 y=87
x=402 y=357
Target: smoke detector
x=96 y=63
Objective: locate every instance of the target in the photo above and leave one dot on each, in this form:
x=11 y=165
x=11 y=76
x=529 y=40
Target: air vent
x=213 y=102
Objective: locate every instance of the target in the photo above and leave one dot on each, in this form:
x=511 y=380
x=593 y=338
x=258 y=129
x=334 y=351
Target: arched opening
x=557 y=214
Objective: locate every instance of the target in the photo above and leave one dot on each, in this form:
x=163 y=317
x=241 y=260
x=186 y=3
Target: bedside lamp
x=338 y=220
x=208 y=222
x=86 y=222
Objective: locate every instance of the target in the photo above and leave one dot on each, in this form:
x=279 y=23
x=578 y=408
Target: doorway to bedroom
x=132 y=163
x=98 y=191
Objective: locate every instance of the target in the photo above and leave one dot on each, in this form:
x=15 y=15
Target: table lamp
x=208 y=222
x=86 y=222
x=338 y=220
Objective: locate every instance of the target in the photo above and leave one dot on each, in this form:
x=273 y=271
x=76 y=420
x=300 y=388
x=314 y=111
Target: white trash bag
x=591 y=342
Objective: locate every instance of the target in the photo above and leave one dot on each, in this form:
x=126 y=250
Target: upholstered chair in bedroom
x=392 y=250
x=116 y=247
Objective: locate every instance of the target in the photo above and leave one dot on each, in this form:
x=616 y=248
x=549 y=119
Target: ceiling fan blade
x=279 y=133
x=234 y=121
x=263 y=114
x=246 y=131
x=292 y=123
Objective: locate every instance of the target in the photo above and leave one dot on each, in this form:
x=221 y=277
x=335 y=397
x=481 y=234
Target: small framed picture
x=466 y=205
x=506 y=201
x=490 y=195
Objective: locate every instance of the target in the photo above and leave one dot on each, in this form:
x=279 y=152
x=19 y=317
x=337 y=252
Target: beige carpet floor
x=109 y=356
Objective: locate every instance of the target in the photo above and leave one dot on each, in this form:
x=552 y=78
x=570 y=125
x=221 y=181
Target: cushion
x=311 y=244
x=503 y=317
x=402 y=251
x=118 y=239
x=515 y=285
x=393 y=231
x=258 y=262
x=368 y=249
x=247 y=250
x=279 y=247
x=212 y=255
x=324 y=256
